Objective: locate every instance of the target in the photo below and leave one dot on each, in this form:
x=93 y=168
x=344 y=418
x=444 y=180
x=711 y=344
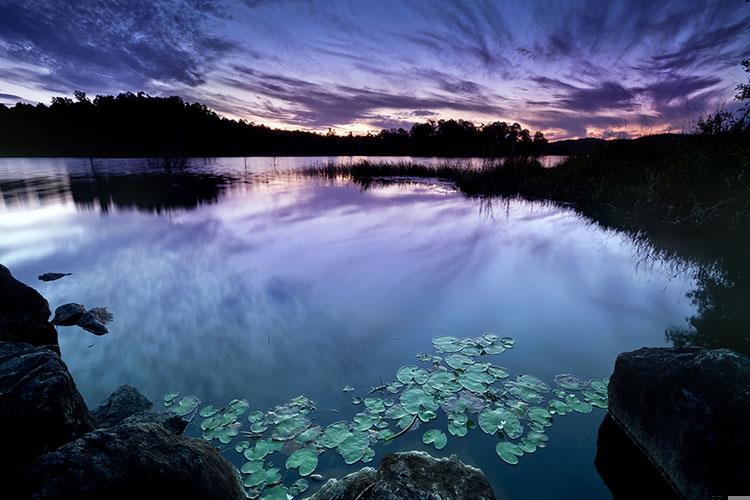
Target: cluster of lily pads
x=460 y=382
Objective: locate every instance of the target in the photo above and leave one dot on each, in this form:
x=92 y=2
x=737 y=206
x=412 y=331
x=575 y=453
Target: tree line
x=146 y=126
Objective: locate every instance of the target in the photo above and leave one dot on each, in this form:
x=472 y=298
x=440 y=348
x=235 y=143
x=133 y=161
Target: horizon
x=605 y=70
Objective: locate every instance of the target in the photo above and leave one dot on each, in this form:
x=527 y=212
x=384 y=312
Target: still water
x=240 y=278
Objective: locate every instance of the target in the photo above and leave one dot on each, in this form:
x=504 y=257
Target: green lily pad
x=474 y=381
x=459 y=361
x=255 y=417
x=569 y=382
x=369 y=455
x=426 y=415
x=444 y=382
x=533 y=440
x=492 y=420
x=241 y=446
x=334 y=434
x=304 y=459
x=558 y=407
x=409 y=373
x=508 y=451
x=291 y=427
x=261 y=449
x=362 y=422
x=252 y=466
x=395 y=412
x=375 y=405
x=435 y=437
x=540 y=415
x=186 y=405
x=208 y=411
x=259 y=427
x=171 y=398
x=298 y=487
x=357 y=400
x=311 y=434
x=354 y=447
x=447 y=344
x=507 y=342
x=278 y=492
x=578 y=405
x=263 y=476
x=414 y=399
x=457 y=429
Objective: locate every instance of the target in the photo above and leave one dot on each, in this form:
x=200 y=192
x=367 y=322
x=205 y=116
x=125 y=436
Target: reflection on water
x=232 y=281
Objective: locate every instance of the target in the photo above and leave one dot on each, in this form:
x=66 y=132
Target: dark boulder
x=121 y=404
x=127 y=404
x=132 y=460
x=687 y=410
x=68 y=314
x=40 y=407
x=414 y=475
x=91 y=323
x=24 y=314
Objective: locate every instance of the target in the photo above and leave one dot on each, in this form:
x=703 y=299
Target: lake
x=241 y=278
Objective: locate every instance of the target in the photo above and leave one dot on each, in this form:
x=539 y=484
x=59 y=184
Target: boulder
x=132 y=460
x=127 y=404
x=91 y=323
x=414 y=475
x=40 y=407
x=68 y=314
x=687 y=409
x=24 y=314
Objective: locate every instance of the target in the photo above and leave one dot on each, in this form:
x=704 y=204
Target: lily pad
x=354 y=447
x=474 y=381
x=435 y=437
x=447 y=344
x=415 y=399
x=558 y=407
x=298 y=487
x=170 y=398
x=255 y=417
x=540 y=415
x=186 y=405
x=375 y=405
x=362 y=422
x=409 y=373
x=263 y=476
x=459 y=361
x=252 y=467
x=492 y=420
x=261 y=449
x=304 y=459
x=532 y=441
x=278 y=492
x=208 y=411
x=369 y=455
x=291 y=427
x=334 y=434
x=508 y=451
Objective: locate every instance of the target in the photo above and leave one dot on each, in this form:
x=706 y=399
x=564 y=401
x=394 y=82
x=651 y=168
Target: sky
x=574 y=68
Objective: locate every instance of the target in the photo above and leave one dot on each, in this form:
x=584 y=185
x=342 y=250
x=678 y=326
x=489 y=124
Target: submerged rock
x=40 y=407
x=127 y=404
x=68 y=314
x=132 y=460
x=414 y=475
x=52 y=276
x=688 y=410
x=24 y=314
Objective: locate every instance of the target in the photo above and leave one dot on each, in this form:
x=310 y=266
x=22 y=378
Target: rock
x=24 y=314
x=52 y=276
x=687 y=410
x=127 y=404
x=121 y=404
x=90 y=322
x=414 y=475
x=68 y=314
x=40 y=407
x=625 y=469
x=132 y=460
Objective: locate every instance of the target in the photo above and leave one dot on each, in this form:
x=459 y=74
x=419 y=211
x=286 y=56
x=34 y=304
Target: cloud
x=109 y=44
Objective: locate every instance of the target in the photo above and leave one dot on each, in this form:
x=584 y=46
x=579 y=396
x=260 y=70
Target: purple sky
x=571 y=69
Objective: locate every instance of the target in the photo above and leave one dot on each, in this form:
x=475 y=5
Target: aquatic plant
x=465 y=385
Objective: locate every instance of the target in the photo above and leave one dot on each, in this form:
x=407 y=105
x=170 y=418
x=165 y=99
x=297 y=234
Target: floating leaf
x=498 y=371
x=447 y=344
x=252 y=467
x=263 y=476
x=475 y=381
x=459 y=361
x=362 y=422
x=186 y=405
x=304 y=459
x=444 y=382
x=409 y=373
x=354 y=447
x=374 y=405
x=540 y=415
x=426 y=415
x=532 y=441
x=357 y=400
x=298 y=487
x=569 y=382
x=291 y=427
x=208 y=411
x=334 y=434
x=508 y=342
x=508 y=451
x=255 y=417
x=278 y=492
x=170 y=398
x=261 y=449
x=558 y=407
x=259 y=427
x=311 y=434
x=578 y=405
x=492 y=420
x=435 y=437
x=241 y=446
x=415 y=399
x=369 y=455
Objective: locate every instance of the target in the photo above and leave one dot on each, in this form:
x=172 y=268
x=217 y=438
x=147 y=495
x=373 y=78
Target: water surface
x=236 y=278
